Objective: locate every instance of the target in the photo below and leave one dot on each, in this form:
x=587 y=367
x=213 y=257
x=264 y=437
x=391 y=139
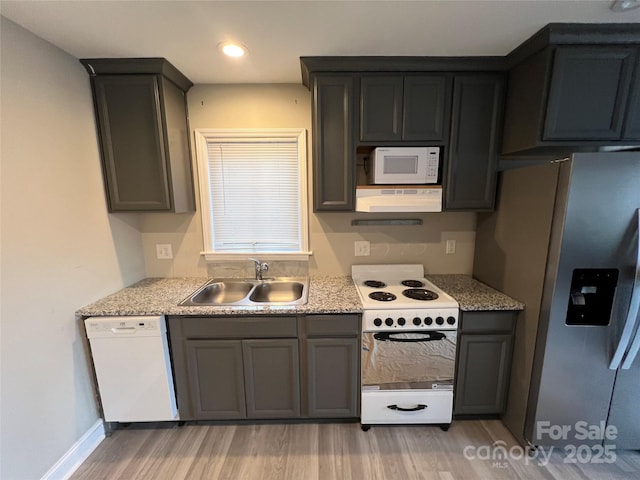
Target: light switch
x=451 y=247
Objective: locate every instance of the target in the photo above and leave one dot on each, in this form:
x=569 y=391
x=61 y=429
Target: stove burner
x=375 y=284
x=420 y=294
x=413 y=283
x=382 y=296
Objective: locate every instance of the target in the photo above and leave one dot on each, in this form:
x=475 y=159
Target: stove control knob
x=428 y=321
x=440 y=320
x=401 y=321
x=451 y=320
x=377 y=322
x=417 y=321
x=389 y=321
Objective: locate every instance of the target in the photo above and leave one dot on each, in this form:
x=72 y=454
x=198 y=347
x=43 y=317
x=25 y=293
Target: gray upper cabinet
x=631 y=129
x=404 y=108
x=381 y=108
x=471 y=169
x=588 y=93
x=140 y=107
x=573 y=87
x=334 y=150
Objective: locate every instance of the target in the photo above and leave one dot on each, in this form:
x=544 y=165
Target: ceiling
x=278 y=33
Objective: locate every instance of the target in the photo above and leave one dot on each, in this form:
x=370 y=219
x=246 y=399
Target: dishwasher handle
x=124 y=330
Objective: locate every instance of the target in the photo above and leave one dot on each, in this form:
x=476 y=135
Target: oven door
x=408 y=360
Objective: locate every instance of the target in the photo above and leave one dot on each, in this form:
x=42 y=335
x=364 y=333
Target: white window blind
x=253 y=191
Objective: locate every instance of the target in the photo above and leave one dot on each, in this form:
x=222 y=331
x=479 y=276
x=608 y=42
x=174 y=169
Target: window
x=253 y=192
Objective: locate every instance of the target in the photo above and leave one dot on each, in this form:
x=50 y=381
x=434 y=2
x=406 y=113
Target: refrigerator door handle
x=633 y=351
x=630 y=322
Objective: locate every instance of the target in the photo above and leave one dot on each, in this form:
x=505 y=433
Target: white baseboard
x=77 y=454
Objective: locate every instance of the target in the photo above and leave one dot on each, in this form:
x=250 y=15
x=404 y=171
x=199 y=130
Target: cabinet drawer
x=239 y=327
x=323 y=325
x=494 y=321
x=378 y=407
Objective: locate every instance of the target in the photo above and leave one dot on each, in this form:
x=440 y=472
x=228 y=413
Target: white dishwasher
x=133 y=368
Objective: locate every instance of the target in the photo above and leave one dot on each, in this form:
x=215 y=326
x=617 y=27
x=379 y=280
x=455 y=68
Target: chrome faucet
x=261 y=267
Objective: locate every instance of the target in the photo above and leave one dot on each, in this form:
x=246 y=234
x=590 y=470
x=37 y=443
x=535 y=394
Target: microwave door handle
x=630 y=322
x=429 y=337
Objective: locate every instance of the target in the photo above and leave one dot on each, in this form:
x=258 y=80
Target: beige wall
x=60 y=251
x=331 y=233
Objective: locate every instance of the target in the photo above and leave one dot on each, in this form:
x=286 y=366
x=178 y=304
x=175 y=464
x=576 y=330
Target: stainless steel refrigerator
x=564 y=240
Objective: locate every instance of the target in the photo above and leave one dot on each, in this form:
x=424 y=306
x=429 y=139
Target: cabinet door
x=381 y=108
x=132 y=142
x=632 y=122
x=588 y=93
x=332 y=377
x=426 y=108
x=272 y=381
x=473 y=147
x=216 y=379
x=333 y=144
x=177 y=147
x=484 y=365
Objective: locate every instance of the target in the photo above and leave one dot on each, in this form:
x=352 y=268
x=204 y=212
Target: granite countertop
x=473 y=295
x=161 y=296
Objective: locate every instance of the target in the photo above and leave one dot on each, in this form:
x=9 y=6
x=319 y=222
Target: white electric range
x=409 y=333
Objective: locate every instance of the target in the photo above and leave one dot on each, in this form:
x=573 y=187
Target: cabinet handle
x=420 y=406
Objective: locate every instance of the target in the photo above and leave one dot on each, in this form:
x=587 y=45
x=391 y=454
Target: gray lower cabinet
x=330 y=354
x=216 y=392
x=266 y=367
x=236 y=367
x=234 y=379
x=271 y=378
x=485 y=345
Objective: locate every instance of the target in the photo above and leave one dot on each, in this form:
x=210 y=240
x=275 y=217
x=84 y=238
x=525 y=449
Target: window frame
x=204 y=136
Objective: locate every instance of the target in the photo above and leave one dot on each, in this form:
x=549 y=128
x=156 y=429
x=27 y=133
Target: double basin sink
x=240 y=292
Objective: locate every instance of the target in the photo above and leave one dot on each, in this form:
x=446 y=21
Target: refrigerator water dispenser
x=591 y=297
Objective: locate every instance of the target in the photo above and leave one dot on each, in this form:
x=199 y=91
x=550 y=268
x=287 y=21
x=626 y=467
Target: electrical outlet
x=163 y=251
x=451 y=247
x=362 y=248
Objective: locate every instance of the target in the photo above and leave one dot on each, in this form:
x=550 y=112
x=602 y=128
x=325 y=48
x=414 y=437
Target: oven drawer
x=387 y=407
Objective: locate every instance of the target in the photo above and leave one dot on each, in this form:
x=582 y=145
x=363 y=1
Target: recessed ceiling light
x=235 y=50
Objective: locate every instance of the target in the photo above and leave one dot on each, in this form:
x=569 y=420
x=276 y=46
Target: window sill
x=264 y=256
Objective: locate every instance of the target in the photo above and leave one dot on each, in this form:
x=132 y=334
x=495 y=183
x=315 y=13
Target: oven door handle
x=428 y=337
x=418 y=407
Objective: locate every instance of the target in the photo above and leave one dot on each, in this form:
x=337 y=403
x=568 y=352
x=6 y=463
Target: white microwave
x=404 y=165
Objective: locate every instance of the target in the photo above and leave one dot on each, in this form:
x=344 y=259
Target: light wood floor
x=331 y=451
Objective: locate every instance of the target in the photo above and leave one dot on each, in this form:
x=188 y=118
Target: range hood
x=399 y=199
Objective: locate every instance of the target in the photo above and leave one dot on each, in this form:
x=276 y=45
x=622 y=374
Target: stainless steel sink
x=240 y=292
x=277 y=292
x=219 y=293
